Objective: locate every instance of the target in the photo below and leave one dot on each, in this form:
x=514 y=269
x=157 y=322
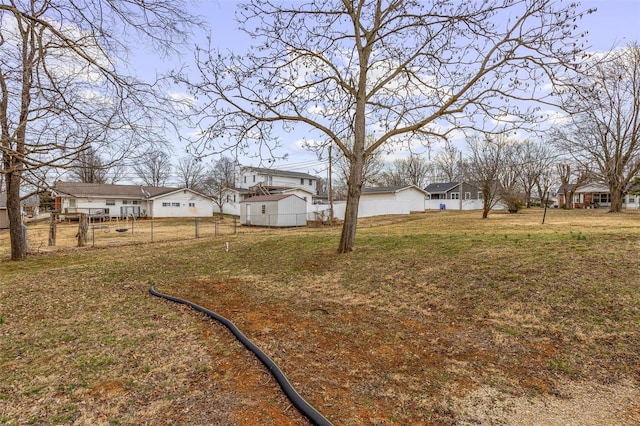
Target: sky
x=616 y=23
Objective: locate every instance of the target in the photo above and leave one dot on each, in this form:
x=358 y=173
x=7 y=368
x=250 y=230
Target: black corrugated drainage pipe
x=296 y=399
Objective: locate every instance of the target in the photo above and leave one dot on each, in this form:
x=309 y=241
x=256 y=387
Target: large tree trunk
x=16 y=235
x=348 y=237
x=617 y=197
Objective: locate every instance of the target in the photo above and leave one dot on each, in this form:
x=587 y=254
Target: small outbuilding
x=4 y=216
x=281 y=210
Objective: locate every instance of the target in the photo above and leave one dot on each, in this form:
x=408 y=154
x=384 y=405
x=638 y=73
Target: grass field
x=435 y=319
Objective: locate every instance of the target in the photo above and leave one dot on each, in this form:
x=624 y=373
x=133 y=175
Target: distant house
x=386 y=200
x=263 y=181
x=280 y=210
x=4 y=215
x=453 y=195
x=594 y=195
x=72 y=198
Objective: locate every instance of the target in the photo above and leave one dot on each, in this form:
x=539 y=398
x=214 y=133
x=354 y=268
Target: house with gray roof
x=278 y=210
x=105 y=200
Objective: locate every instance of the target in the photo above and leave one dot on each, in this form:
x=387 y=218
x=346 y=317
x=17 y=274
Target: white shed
x=274 y=210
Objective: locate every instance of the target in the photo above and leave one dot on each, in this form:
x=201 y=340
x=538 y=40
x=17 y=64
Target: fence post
x=83 y=227
x=196 y=223
x=151 y=229
x=217 y=224
x=52 y=230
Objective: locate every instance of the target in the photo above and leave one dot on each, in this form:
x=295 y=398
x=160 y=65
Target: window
x=310 y=182
x=605 y=198
x=166 y=204
x=264 y=209
x=301 y=181
x=72 y=203
x=125 y=201
x=135 y=202
x=192 y=204
x=110 y=202
x=175 y=204
x=480 y=197
x=455 y=195
x=254 y=178
x=467 y=195
x=632 y=199
x=245 y=179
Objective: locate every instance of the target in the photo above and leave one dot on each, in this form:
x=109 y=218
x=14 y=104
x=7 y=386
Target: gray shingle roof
x=260 y=198
x=77 y=189
x=440 y=188
x=387 y=189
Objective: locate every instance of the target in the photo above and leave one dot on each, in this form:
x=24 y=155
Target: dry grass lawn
x=436 y=319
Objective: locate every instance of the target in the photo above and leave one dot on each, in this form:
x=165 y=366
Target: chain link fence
x=47 y=234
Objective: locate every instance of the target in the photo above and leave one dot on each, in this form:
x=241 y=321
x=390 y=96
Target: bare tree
x=63 y=85
x=153 y=168
x=450 y=163
x=604 y=129
x=536 y=159
x=412 y=170
x=570 y=180
x=487 y=157
x=407 y=70
x=219 y=180
x=89 y=167
x=191 y=172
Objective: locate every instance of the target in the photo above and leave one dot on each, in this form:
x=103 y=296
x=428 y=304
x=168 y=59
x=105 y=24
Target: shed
x=282 y=210
x=4 y=214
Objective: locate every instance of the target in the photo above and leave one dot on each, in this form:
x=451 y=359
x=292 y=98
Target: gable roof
x=275 y=197
x=86 y=190
x=274 y=172
x=389 y=189
x=441 y=187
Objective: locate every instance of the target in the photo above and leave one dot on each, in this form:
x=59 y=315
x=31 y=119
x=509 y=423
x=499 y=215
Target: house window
x=254 y=178
x=135 y=202
x=166 y=204
x=72 y=203
x=245 y=179
x=301 y=181
x=192 y=204
x=234 y=198
x=605 y=198
x=467 y=195
x=264 y=209
x=632 y=199
x=175 y=204
x=110 y=202
x=480 y=197
x=125 y=201
x=455 y=195
x=310 y=182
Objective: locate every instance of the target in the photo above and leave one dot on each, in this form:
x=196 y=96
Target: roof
x=274 y=172
x=81 y=190
x=441 y=188
x=261 y=198
x=388 y=189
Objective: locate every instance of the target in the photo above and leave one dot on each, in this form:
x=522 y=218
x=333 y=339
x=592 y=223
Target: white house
x=271 y=179
x=385 y=201
x=129 y=200
x=280 y=210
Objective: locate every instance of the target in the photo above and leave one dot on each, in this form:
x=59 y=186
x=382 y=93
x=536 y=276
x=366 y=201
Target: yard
x=439 y=318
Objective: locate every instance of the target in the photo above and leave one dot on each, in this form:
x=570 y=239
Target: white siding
x=182 y=203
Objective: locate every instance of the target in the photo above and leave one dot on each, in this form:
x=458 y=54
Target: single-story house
x=103 y=200
x=453 y=191
x=594 y=195
x=279 y=210
x=379 y=201
x=4 y=214
x=454 y=196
